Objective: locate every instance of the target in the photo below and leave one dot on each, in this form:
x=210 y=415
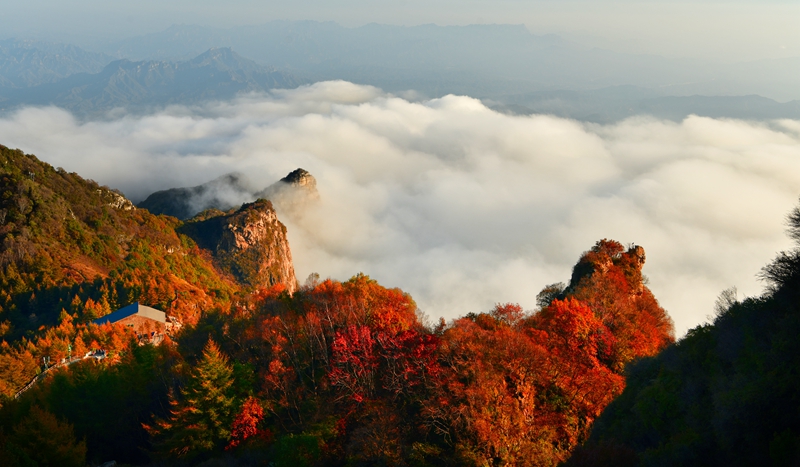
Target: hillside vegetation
x=267 y=373
x=65 y=237
x=726 y=394
x=73 y=251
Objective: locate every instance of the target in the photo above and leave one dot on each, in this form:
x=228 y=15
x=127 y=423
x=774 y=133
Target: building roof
x=130 y=310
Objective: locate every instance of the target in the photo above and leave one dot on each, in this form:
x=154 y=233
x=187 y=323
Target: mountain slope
x=222 y=193
x=61 y=233
x=228 y=191
x=32 y=63
x=219 y=73
x=335 y=372
x=73 y=251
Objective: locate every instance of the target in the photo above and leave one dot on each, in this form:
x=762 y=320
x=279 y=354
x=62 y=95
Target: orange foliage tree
x=609 y=280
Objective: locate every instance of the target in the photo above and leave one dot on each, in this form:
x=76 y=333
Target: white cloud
x=457 y=204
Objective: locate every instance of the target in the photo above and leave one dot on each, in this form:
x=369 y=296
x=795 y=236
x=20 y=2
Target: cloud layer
x=459 y=205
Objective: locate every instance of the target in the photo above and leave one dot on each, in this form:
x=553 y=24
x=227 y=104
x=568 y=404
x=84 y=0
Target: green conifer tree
x=202 y=417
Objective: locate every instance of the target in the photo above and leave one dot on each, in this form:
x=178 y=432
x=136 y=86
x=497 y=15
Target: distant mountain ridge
x=25 y=63
x=505 y=65
x=219 y=73
x=480 y=60
x=613 y=104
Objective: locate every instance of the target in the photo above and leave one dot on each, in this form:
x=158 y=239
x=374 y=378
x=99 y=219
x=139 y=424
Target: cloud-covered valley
x=457 y=204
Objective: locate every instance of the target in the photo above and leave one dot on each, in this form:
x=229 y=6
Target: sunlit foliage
x=726 y=394
x=337 y=373
x=72 y=251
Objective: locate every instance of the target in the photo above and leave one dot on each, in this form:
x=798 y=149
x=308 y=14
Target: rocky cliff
x=250 y=244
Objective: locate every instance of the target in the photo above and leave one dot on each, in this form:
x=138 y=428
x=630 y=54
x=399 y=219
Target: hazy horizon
x=721 y=31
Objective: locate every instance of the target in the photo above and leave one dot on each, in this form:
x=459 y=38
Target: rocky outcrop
x=604 y=256
x=638 y=251
x=301 y=178
x=222 y=193
x=290 y=193
x=293 y=192
x=250 y=244
x=116 y=200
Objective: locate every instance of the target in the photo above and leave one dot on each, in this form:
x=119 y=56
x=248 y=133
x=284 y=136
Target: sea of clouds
x=459 y=205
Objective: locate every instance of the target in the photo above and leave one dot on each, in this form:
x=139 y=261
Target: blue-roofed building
x=147 y=322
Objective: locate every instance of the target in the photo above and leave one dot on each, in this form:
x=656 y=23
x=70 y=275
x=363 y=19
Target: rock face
x=249 y=243
x=116 y=200
x=638 y=251
x=301 y=178
x=293 y=191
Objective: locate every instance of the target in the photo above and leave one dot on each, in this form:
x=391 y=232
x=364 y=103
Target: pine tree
x=201 y=418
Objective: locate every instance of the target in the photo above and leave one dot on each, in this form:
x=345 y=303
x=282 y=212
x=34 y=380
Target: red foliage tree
x=485 y=400
x=245 y=424
x=579 y=347
x=354 y=362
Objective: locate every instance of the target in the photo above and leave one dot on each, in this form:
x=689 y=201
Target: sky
x=459 y=205
x=724 y=31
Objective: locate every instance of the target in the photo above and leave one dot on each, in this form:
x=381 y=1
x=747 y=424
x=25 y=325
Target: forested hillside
x=266 y=373
x=73 y=251
x=726 y=394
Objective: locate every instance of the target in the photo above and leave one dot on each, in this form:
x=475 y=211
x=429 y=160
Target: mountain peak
x=224 y=58
x=293 y=191
x=300 y=177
